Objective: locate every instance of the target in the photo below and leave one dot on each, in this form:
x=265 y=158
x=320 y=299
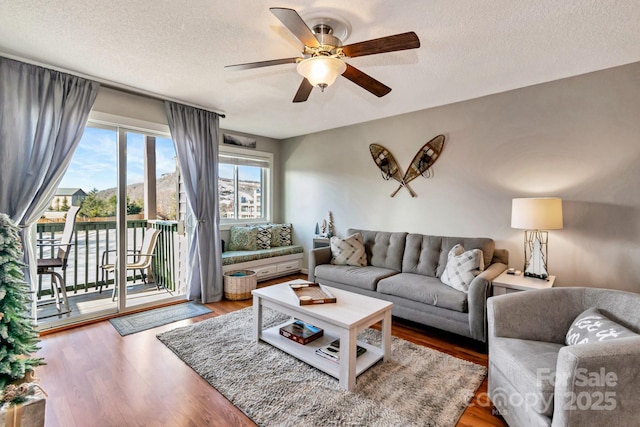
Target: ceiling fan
x=323 y=54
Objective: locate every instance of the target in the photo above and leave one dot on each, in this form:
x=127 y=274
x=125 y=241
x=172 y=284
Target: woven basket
x=238 y=284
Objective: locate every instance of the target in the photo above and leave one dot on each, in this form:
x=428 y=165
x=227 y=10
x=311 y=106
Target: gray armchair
x=537 y=380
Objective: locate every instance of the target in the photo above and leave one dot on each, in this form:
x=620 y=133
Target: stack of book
x=301 y=332
x=332 y=351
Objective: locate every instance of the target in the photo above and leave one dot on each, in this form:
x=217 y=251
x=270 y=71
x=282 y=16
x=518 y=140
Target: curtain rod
x=108 y=83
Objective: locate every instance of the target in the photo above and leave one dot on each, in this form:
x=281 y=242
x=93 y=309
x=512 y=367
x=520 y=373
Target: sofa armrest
x=477 y=298
x=318 y=256
x=598 y=384
x=500 y=255
x=540 y=315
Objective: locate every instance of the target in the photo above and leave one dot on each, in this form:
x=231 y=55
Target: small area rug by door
x=144 y=320
x=418 y=387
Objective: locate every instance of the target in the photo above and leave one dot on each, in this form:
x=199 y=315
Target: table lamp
x=535 y=216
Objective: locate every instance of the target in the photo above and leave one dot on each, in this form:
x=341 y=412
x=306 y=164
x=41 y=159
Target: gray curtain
x=195 y=134
x=42 y=117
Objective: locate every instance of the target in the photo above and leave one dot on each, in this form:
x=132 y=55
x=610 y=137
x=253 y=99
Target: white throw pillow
x=348 y=251
x=462 y=267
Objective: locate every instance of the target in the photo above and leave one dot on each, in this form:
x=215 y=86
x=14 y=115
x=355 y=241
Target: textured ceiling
x=178 y=49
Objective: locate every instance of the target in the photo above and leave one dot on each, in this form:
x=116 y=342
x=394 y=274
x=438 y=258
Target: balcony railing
x=92 y=239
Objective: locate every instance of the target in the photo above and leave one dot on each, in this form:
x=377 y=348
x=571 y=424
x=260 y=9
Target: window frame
x=267 y=185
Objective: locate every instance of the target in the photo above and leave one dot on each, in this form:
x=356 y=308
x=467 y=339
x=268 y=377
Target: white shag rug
x=418 y=387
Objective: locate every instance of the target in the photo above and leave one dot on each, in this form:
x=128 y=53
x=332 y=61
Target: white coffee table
x=344 y=319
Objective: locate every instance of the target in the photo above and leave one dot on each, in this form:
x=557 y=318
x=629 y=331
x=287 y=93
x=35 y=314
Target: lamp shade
x=540 y=213
x=321 y=70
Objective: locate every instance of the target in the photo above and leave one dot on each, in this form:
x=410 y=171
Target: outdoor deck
x=94 y=243
x=93 y=301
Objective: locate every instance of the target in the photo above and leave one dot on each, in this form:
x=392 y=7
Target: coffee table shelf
x=307 y=353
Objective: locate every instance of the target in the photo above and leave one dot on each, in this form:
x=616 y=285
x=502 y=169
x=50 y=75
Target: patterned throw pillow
x=280 y=235
x=263 y=238
x=462 y=267
x=348 y=251
x=243 y=238
x=592 y=326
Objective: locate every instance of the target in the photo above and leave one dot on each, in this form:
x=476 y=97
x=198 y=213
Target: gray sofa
x=537 y=380
x=405 y=269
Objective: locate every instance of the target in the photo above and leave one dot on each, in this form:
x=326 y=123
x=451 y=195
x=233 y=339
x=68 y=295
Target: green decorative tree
x=18 y=337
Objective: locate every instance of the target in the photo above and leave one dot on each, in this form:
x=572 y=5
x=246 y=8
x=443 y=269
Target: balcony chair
x=49 y=265
x=141 y=259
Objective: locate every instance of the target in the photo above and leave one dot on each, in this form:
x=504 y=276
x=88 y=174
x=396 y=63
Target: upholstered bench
x=265 y=249
x=267 y=263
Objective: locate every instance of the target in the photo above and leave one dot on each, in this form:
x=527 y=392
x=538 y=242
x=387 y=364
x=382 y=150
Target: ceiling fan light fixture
x=321 y=71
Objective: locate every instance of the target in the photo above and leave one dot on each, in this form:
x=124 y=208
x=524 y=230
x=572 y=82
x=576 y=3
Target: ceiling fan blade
x=303 y=91
x=365 y=81
x=296 y=25
x=249 y=65
x=384 y=44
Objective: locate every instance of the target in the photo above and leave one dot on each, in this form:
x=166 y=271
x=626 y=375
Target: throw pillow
x=243 y=238
x=462 y=267
x=280 y=235
x=592 y=326
x=348 y=251
x=263 y=238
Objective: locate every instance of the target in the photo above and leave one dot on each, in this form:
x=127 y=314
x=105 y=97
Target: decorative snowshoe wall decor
x=422 y=161
x=388 y=166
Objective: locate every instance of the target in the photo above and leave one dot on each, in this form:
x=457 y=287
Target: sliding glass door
x=125 y=182
x=150 y=203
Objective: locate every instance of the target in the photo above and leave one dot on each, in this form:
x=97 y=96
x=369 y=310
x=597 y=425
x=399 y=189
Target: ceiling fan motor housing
x=329 y=44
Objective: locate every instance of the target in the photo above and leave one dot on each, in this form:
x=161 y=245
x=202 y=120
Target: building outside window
x=244 y=182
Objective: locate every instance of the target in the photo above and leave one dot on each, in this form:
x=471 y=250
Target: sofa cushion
x=592 y=326
x=462 y=267
x=530 y=367
x=422 y=254
x=360 y=277
x=487 y=246
x=384 y=249
x=236 y=257
x=348 y=251
x=243 y=238
x=424 y=289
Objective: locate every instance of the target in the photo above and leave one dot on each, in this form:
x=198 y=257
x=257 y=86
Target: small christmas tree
x=18 y=337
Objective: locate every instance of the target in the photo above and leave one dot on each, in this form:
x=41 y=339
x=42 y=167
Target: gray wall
x=577 y=138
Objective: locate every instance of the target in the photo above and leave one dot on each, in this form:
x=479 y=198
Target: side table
x=321 y=242
x=508 y=283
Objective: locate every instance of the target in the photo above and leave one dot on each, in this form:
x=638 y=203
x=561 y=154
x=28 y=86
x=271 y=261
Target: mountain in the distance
x=166 y=191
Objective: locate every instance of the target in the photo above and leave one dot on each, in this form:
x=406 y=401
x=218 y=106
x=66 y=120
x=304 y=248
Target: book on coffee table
x=332 y=351
x=301 y=332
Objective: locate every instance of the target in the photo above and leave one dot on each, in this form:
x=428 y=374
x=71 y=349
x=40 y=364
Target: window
x=244 y=180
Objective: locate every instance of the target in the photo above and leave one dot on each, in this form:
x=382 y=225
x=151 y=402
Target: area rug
x=418 y=387
x=144 y=320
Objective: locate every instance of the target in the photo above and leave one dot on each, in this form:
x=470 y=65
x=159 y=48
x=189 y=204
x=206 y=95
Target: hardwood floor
x=95 y=377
